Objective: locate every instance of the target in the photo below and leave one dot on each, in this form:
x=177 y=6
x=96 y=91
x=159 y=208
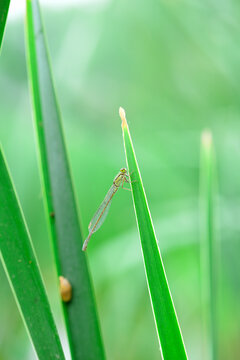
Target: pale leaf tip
x=123 y=116
x=207 y=138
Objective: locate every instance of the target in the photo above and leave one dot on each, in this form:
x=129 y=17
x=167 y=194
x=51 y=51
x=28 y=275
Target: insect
x=103 y=209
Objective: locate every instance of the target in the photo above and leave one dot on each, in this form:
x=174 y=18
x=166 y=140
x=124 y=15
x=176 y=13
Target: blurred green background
x=175 y=67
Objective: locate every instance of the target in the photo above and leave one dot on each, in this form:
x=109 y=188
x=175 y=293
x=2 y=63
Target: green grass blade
x=23 y=272
x=80 y=313
x=168 y=329
x=208 y=247
x=4 y=6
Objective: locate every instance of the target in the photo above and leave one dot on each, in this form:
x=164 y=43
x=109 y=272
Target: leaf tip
x=123 y=117
x=207 y=138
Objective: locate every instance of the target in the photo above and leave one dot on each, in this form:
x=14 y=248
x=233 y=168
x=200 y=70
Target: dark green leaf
x=23 y=272
x=4 y=5
x=80 y=313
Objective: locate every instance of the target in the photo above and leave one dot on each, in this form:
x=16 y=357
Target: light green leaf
x=208 y=246
x=168 y=329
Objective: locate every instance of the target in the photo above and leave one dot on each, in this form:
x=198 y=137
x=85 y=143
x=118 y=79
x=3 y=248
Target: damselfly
x=103 y=209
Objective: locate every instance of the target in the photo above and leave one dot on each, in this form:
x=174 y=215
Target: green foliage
x=172 y=346
x=4 y=5
x=174 y=66
x=80 y=312
x=209 y=250
x=23 y=272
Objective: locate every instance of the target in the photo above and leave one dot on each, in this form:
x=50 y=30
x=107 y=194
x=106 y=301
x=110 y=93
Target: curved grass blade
x=208 y=247
x=80 y=313
x=171 y=341
x=4 y=6
x=23 y=272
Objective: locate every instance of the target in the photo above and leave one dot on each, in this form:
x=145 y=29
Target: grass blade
x=208 y=247
x=168 y=329
x=80 y=313
x=23 y=272
x=4 y=6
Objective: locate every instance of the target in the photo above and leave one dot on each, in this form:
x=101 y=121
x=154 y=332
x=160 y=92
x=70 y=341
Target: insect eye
x=123 y=170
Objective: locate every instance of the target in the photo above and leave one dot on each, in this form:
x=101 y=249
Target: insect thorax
x=118 y=179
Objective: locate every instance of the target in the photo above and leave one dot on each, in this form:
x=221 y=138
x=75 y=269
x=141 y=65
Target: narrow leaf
x=80 y=313
x=4 y=6
x=171 y=342
x=23 y=272
x=208 y=247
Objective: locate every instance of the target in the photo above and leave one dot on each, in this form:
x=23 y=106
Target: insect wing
x=102 y=211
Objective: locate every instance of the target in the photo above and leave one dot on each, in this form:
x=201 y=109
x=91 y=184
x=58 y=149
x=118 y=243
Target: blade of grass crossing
x=208 y=247
x=4 y=6
x=171 y=342
x=23 y=272
x=80 y=313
